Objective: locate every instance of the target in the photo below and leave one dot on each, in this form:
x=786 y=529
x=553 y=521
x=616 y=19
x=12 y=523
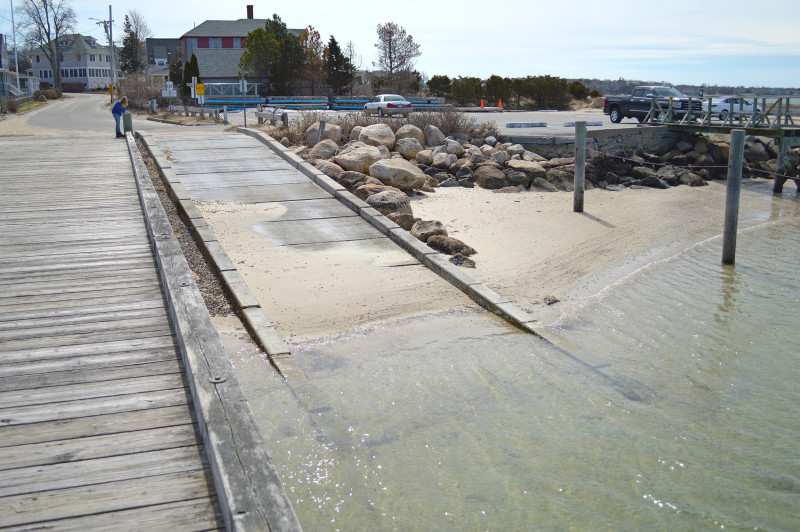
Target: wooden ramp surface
x=96 y=421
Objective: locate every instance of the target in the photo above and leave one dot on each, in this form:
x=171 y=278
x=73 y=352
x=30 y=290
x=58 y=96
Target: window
x=91 y=58
x=161 y=62
x=237 y=42
x=215 y=42
x=191 y=44
x=77 y=57
x=82 y=72
x=37 y=58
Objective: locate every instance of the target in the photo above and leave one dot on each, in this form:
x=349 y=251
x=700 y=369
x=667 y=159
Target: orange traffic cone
x=481 y=103
x=501 y=104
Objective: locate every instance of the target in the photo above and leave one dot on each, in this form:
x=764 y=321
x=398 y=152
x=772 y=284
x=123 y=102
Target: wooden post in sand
x=780 y=168
x=580 y=165
x=733 y=190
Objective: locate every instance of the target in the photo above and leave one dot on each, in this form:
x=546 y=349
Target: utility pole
x=108 y=28
x=16 y=52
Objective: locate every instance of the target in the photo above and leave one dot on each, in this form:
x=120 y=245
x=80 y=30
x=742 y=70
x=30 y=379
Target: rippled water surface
x=671 y=404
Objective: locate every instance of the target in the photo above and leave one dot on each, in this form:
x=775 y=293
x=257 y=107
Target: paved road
x=555 y=121
x=84 y=115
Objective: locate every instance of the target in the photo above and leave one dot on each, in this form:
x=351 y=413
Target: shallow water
x=671 y=404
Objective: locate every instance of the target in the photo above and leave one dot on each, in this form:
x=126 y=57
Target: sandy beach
x=532 y=244
x=529 y=245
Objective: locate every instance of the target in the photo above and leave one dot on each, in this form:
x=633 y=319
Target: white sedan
x=388 y=104
x=723 y=107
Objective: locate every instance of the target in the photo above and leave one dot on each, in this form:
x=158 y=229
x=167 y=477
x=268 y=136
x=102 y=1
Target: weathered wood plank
x=193 y=515
x=40 y=507
x=70 y=475
x=58 y=335
x=88 y=297
x=62 y=378
x=96 y=425
x=92 y=407
x=81 y=309
x=72 y=450
x=86 y=363
x=28 y=343
x=127 y=343
x=118 y=387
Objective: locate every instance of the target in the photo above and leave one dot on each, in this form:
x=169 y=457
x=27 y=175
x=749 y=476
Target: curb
x=432 y=259
x=249 y=490
x=244 y=301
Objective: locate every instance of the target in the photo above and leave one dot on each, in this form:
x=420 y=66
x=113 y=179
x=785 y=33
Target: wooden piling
x=780 y=168
x=733 y=191
x=580 y=165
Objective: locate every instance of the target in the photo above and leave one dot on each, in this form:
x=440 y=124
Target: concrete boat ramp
x=118 y=405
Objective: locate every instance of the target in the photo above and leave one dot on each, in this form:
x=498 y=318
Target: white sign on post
x=170 y=86
x=169 y=93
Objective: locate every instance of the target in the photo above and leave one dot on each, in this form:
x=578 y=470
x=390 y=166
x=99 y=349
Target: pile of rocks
x=382 y=167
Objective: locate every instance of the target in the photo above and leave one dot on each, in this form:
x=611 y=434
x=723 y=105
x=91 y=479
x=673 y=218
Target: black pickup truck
x=638 y=104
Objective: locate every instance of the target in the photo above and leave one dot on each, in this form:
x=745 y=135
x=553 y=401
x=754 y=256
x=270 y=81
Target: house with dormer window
x=85 y=64
x=218 y=46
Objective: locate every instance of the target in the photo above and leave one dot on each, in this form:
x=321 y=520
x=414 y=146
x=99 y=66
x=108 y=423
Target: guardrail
x=344 y=103
x=775 y=117
x=195 y=111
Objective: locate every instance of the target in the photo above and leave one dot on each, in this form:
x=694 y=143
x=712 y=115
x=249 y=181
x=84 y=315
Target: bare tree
x=140 y=30
x=396 y=52
x=44 y=23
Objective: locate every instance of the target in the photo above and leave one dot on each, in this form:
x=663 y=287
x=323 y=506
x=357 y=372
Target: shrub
x=11 y=105
x=72 y=86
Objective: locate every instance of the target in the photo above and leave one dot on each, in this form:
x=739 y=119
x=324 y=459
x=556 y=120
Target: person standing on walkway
x=119 y=109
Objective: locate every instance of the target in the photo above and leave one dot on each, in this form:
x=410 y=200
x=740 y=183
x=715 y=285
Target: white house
x=84 y=61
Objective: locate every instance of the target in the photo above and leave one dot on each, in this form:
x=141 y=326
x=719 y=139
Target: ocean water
x=670 y=402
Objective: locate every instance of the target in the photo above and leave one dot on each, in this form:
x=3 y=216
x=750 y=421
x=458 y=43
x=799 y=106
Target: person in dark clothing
x=120 y=108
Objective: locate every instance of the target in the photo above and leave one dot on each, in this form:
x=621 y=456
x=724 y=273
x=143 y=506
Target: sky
x=712 y=42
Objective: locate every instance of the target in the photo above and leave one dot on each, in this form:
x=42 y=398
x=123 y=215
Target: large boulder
x=490 y=177
x=693 y=180
x=365 y=191
x=355 y=132
x=323 y=150
x=398 y=173
x=331 y=132
x=351 y=179
x=404 y=220
x=408 y=147
x=443 y=160
x=543 y=184
x=453 y=147
x=377 y=135
x=433 y=136
x=531 y=169
x=424 y=229
x=501 y=157
x=358 y=157
x=390 y=201
x=410 y=131
x=450 y=245
x=425 y=157
x=643 y=172
x=330 y=169
x=756 y=153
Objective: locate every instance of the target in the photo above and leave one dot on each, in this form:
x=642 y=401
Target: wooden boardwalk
x=97 y=426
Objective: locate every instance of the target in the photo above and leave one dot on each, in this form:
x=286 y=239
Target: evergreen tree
x=130 y=56
x=273 y=55
x=190 y=70
x=341 y=71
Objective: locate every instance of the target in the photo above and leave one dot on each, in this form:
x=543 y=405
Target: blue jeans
x=116 y=119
